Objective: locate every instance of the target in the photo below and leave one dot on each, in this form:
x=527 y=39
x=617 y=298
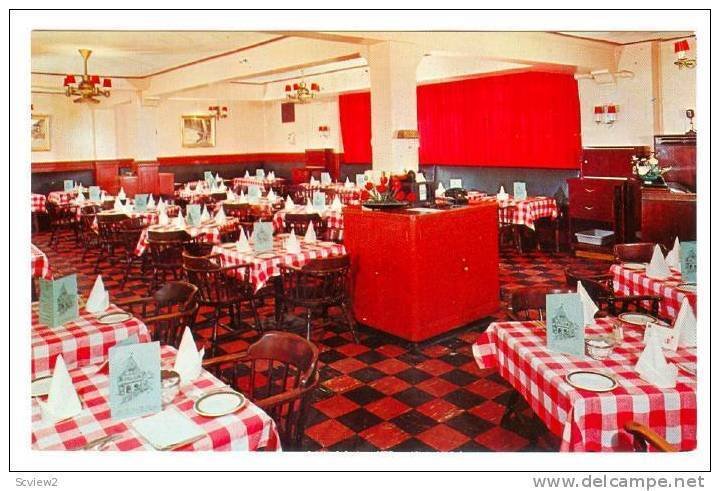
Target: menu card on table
x=254 y=193
x=68 y=185
x=688 y=261
x=565 y=323
x=193 y=215
x=260 y=174
x=134 y=380
x=318 y=201
x=519 y=191
x=94 y=193
x=58 y=301
x=208 y=177
x=360 y=180
x=141 y=202
x=455 y=183
x=262 y=236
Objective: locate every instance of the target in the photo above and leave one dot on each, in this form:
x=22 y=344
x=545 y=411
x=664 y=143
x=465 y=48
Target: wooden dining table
x=583 y=419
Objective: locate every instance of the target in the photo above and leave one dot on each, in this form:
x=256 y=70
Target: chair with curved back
x=507 y=228
x=643 y=435
x=301 y=221
x=61 y=218
x=600 y=288
x=128 y=233
x=166 y=249
x=242 y=211
x=639 y=252
x=88 y=237
x=529 y=303
x=224 y=289
x=110 y=241
x=167 y=311
x=198 y=249
x=279 y=373
x=320 y=284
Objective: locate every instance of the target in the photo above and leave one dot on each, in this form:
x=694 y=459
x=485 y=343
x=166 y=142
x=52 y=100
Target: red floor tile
x=347 y=365
x=387 y=408
x=384 y=435
x=342 y=384
x=501 y=440
x=389 y=385
x=442 y=438
x=435 y=367
x=391 y=366
x=489 y=411
x=437 y=387
x=335 y=406
x=439 y=410
x=329 y=432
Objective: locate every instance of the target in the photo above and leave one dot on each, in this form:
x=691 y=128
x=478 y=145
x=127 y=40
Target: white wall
x=678 y=89
x=303 y=133
x=71 y=129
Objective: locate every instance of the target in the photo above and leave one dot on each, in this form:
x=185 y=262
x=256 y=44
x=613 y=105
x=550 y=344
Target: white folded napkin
x=653 y=367
x=121 y=194
x=247 y=174
x=63 y=401
x=217 y=177
x=160 y=203
x=313 y=182
x=667 y=336
x=151 y=202
x=188 y=361
x=589 y=307
x=99 y=299
x=673 y=257
x=420 y=177
x=162 y=217
x=348 y=184
x=657 y=268
x=243 y=245
x=271 y=175
x=502 y=195
x=440 y=190
x=243 y=198
x=289 y=204
x=118 y=206
x=222 y=187
x=179 y=220
x=292 y=245
x=187 y=186
x=686 y=326
x=310 y=208
x=271 y=196
x=220 y=215
x=336 y=204
x=204 y=216
x=102 y=195
x=230 y=195
x=310 y=236
x=213 y=188
x=168 y=428
x=128 y=208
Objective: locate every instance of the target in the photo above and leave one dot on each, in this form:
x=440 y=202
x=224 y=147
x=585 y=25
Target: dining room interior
x=364 y=241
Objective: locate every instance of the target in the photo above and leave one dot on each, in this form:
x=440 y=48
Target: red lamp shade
x=598 y=109
x=95 y=79
x=66 y=81
x=612 y=109
x=70 y=79
x=288 y=88
x=224 y=109
x=315 y=87
x=682 y=46
x=107 y=83
x=296 y=86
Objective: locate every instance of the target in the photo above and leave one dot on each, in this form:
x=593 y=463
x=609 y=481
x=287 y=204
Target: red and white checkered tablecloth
x=634 y=282
x=37 y=203
x=248 y=429
x=528 y=210
x=333 y=219
x=148 y=217
x=62 y=197
x=206 y=233
x=40 y=265
x=346 y=194
x=83 y=341
x=256 y=181
x=591 y=421
x=265 y=265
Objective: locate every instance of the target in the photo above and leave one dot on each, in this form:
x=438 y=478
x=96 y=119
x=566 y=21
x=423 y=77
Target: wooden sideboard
x=666 y=215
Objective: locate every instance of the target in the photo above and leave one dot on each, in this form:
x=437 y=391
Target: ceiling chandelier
x=299 y=92
x=88 y=88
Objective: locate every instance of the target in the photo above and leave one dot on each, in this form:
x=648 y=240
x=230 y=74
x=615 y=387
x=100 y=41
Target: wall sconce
x=681 y=51
x=324 y=131
x=219 y=112
x=606 y=114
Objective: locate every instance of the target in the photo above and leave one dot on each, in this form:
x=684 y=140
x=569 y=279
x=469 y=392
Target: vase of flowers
x=649 y=170
x=388 y=194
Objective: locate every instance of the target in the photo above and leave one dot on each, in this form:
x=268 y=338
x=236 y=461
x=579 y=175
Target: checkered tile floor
x=383 y=394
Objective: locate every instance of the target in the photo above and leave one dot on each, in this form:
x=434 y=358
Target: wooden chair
x=198 y=249
x=507 y=228
x=320 y=284
x=167 y=311
x=643 y=435
x=224 y=289
x=242 y=211
x=62 y=218
x=109 y=239
x=301 y=221
x=600 y=289
x=640 y=252
x=88 y=237
x=166 y=249
x=129 y=232
x=279 y=373
x=529 y=303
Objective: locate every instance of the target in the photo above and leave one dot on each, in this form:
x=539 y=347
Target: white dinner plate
x=591 y=380
x=636 y=319
x=687 y=287
x=114 y=318
x=634 y=266
x=40 y=386
x=219 y=403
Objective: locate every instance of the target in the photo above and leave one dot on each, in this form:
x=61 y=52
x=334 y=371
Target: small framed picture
x=198 y=131
x=40 y=132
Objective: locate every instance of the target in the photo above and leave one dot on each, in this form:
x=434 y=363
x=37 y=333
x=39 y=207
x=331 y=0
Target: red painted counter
x=418 y=275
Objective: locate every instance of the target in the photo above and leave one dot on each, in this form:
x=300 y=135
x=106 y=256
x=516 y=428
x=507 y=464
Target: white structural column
x=139 y=118
x=393 y=104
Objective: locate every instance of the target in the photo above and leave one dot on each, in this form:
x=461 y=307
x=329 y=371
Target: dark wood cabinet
x=326 y=158
x=609 y=161
x=680 y=153
x=666 y=215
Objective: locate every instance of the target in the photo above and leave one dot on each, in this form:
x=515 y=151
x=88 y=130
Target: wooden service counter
x=420 y=274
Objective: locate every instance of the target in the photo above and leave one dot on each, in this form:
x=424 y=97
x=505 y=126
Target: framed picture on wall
x=40 y=132
x=197 y=131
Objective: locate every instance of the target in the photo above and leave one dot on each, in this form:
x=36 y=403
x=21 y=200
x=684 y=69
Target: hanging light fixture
x=300 y=93
x=89 y=87
x=681 y=51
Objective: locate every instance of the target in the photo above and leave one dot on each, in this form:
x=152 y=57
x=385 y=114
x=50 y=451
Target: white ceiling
x=625 y=37
x=132 y=53
x=305 y=72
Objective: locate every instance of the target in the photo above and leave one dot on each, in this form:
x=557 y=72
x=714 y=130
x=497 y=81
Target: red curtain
x=527 y=119
x=355 y=127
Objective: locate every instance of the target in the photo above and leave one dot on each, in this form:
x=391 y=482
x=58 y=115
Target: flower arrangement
x=388 y=191
x=648 y=168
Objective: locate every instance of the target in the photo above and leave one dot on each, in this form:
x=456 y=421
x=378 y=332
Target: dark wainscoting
x=46 y=182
